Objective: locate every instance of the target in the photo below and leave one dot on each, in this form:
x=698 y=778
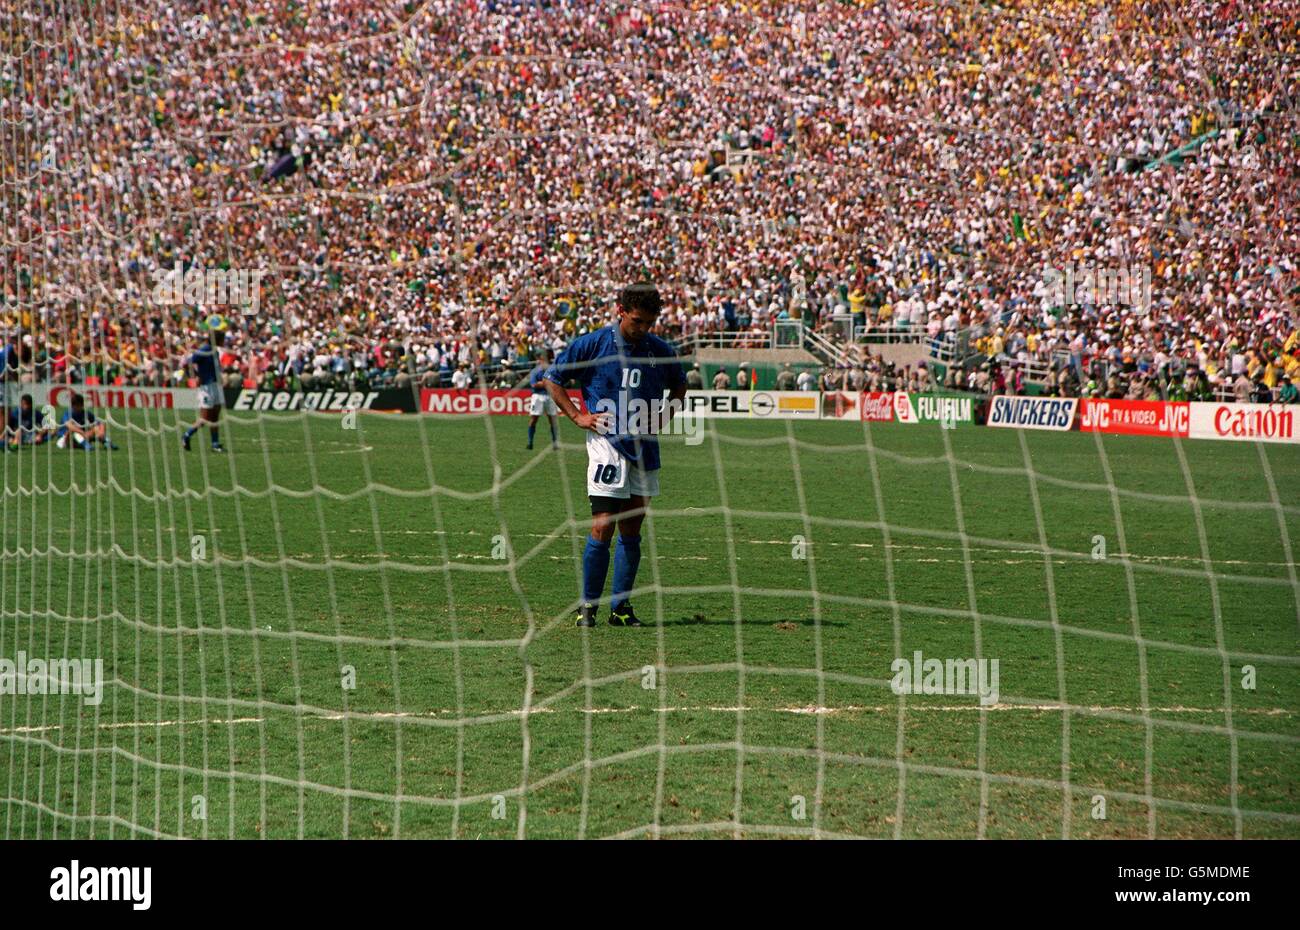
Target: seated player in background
x=82 y=427
x=22 y=427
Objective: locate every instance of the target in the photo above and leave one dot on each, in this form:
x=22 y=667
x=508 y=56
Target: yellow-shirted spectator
x=1273 y=372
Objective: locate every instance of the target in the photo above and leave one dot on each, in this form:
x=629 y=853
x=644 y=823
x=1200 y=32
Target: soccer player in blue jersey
x=81 y=427
x=206 y=363
x=540 y=402
x=22 y=426
x=623 y=371
x=9 y=368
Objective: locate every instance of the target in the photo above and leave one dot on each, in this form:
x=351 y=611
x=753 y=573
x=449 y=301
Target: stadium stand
x=453 y=184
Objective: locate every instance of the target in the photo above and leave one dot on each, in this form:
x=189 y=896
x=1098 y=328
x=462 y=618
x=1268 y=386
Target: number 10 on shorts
x=605 y=474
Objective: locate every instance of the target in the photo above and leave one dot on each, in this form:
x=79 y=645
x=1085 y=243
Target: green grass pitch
x=760 y=706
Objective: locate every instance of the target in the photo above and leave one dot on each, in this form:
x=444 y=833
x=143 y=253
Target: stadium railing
x=740 y=339
x=826 y=349
x=889 y=336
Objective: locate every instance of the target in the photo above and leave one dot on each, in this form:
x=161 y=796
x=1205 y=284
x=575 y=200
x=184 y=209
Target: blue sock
x=553 y=436
x=595 y=565
x=532 y=429
x=189 y=433
x=216 y=440
x=627 y=556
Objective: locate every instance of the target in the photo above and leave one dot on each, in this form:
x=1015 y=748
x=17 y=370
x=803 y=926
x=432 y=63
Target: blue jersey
x=207 y=363
x=617 y=376
x=83 y=419
x=20 y=419
x=535 y=379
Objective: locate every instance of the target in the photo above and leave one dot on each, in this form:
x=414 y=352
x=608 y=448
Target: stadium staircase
x=1177 y=156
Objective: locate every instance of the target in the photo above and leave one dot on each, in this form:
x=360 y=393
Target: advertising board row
x=101 y=397
x=1194 y=420
x=905 y=407
x=1184 y=419
x=114 y=397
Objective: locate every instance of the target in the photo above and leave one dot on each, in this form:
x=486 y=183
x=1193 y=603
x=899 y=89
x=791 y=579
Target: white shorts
x=610 y=474
x=210 y=396
x=540 y=404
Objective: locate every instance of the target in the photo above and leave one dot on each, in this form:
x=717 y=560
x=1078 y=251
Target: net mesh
x=362 y=625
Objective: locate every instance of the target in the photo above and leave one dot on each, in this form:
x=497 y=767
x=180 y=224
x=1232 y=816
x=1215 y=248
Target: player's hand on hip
x=596 y=422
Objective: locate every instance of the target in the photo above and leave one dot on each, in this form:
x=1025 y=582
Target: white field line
x=1000 y=550
x=1035 y=556
x=803 y=710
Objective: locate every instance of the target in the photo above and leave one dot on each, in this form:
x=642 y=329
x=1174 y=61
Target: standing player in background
x=540 y=401
x=206 y=364
x=621 y=368
x=8 y=368
x=82 y=427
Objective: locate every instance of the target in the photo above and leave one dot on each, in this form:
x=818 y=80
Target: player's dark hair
x=76 y=400
x=218 y=337
x=27 y=398
x=641 y=296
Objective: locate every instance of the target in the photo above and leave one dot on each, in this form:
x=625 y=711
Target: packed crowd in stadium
x=445 y=187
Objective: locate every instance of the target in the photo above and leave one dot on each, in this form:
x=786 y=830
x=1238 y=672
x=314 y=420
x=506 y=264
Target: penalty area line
x=806 y=710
